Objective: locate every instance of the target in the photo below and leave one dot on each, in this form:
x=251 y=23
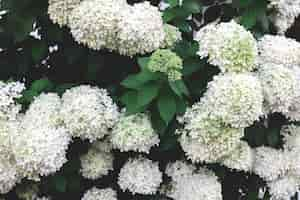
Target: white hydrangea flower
x=285 y=13
x=88 y=112
x=140 y=176
x=94 y=23
x=172 y=36
x=270 y=164
x=44 y=110
x=100 y=194
x=278 y=50
x=40 y=150
x=280 y=87
x=178 y=169
x=96 y=164
x=202 y=185
x=140 y=29
x=39 y=145
x=59 y=10
x=291 y=137
x=134 y=133
x=241 y=159
x=9 y=109
x=204 y=139
x=235 y=99
x=9 y=175
x=229 y=46
x=284 y=188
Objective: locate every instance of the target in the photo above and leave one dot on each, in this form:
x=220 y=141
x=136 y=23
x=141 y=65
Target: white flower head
x=284 y=188
x=140 y=29
x=96 y=164
x=278 y=50
x=9 y=175
x=88 y=112
x=172 y=36
x=242 y=159
x=94 y=23
x=235 y=99
x=285 y=13
x=134 y=133
x=40 y=144
x=100 y=194
x=140 y=176
x=204 y=139
x=280 y=87
x=178 y=169
x=270 y=164
x=202 y=185
x=229 y=46
x=59 y=10
x=291 y=137
x=9 y=109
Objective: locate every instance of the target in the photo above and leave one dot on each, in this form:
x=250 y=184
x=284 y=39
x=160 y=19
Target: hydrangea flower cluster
x=40 y=144
x=134 y=133
x=280 y=87
x=188 y=183
x=167 y=62
x=35 y=143
x=88 y=112
x=96 y=163
x=284 y=13
x=60 y=10
x=99 y=194
x=141 y=176
x=278 y=50
x=229 y=46
x=280 y=168
x=172 y=37
x=115 y=25
x=204 y=139
x=236 y=99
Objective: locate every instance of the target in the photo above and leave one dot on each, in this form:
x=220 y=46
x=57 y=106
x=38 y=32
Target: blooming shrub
x=149 y=99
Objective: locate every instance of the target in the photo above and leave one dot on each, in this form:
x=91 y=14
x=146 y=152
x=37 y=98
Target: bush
x=171 y=99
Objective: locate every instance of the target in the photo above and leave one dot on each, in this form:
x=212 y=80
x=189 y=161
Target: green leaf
x=192 y=65
x=173 y=3
x=28 y=96
x=248 y=19
x=183 y=25
x=191 y=6
x=166 y=106
x=179 y=87
x=181 y=106
x=186 y=49
x=147 y=93
x=42 y=85
x=60 y=183
x=143 y=62
x=38 y=51
x=137 y=80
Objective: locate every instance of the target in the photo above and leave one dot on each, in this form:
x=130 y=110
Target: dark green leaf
x=137 y=80
x=192 y=65
x=143 y=62
x=41 y=85
x=166 y=106
x=147 y=93
x=179 y=87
